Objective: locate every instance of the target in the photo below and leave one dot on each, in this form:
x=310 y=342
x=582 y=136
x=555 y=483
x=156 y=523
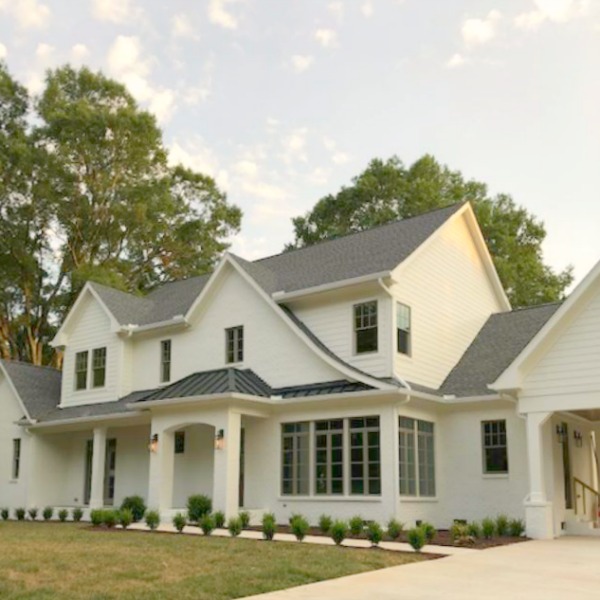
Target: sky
x=284 y=101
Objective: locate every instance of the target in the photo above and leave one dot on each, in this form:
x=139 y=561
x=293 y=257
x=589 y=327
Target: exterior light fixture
x=153 y=445
x=578 y=438
x=220 y=440
x=561 y=432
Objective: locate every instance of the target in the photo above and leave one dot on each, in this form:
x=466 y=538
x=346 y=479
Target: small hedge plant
x=63 y=514
x=516 y=527
x=234 y=525
x=474 y=529
x=502 y=525
x=77 y=514
x=125 y=517
x=219 y=518
x=300 y=527
x=338 y=532
x=110 y=518
x=269 y=526
x=245 y=519
x=325 y=523
x=416 y=538
x=136 y=505
x=5 y=514
x=48 y=513
x=179 y=522
x=488 y=528
x=20 y=514
x=96 y=517
x=33 y=513
x=207 y=524
x=394 y=529
x=152 y=519
x=357 y=525
x=374 y=533
x=198 y=505
x=429 y=531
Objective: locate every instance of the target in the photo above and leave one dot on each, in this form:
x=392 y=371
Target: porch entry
x=110 y=464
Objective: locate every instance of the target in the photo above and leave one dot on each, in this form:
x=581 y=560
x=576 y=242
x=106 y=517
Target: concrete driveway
x=563 y=569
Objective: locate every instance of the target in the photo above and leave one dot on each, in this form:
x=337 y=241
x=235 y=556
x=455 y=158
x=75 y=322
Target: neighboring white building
x=382 y=374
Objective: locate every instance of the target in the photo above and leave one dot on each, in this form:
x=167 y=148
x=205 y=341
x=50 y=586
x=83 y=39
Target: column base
x=539 y=520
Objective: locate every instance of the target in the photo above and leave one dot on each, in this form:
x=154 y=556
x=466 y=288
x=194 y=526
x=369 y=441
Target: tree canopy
x=87 y=193
x=387 y=191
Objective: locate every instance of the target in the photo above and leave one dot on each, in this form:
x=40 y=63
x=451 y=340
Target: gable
x=11 y=407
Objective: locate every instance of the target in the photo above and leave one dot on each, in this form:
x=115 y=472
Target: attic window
x=99 y=367
x=165 y=361
x=234 y=340
x=81 y=366
x=365 y=327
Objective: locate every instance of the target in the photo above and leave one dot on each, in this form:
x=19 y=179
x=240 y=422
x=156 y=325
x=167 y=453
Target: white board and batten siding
x=450 y=295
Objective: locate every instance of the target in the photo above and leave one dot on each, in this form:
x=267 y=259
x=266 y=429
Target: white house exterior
x=382 y=374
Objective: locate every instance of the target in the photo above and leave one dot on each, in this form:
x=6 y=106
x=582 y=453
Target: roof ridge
x=455 y=206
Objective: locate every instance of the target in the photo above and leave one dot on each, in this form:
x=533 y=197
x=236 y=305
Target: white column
x=226 y=478
x=538 y=510
x=160 y=480
x=98 y=471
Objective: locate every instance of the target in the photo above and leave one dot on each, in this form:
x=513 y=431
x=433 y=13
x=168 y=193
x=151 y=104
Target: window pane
x=366 y=340
x=99 y=367
x=403 y=328
x=495 y=450
x=365 y=327
x=365 y=456
x=295 y=458
x=81 y=366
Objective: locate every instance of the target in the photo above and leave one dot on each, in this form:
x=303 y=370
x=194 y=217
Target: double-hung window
x=234 y=341
x=81 y=367
x=165 y=361
x=329 y=457
x=416 y=457
x=295 y=458
x=365 y=327
x=403 y=329
x=365 y=462
x=16 y=462
x=495 y=449
x=98 y=367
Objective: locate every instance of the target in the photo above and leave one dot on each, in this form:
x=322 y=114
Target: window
x=329 y=457
x=295 y=458
x=403 y=328
x=16 y=463
x=81 y=366
x=365 y=466
x=495 y=451
x=365 y=327
x=179 y=442
x=165 y=361
x=99 y=367
x=235 y=344
x=416 y=457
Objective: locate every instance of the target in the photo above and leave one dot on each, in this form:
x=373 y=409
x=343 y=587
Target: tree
x=87 y=193
x=387 y=191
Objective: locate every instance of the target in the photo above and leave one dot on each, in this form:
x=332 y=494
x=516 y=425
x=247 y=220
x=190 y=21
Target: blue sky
x=283 y=101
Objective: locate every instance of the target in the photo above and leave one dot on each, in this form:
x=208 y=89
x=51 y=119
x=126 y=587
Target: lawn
x=60 y=560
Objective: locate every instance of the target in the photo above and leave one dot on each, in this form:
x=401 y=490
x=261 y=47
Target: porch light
x=153 y=446
x=561 y=433
x=220 y=440
x=578 y=438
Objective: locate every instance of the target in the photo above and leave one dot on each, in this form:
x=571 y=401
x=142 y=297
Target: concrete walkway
x=562 y=569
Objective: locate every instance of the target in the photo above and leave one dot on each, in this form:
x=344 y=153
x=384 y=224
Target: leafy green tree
x=87 y=193
x=387 y=191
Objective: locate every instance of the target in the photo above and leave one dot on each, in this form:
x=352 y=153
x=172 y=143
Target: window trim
x=179 y=442
x=365 y=430
x=163 y=362
x=407 y=331
x=416 y=461
x=16 y=459
x=238 y=347
x=93 y=367
x=329 y=433
x=77 y=371
x=295 y=465
x=355 y=331
x=487 y=473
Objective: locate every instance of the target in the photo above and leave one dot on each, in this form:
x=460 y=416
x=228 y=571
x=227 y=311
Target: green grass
x=59 y=560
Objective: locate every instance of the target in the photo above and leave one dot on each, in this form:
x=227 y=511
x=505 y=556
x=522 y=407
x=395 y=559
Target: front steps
x=579 y=525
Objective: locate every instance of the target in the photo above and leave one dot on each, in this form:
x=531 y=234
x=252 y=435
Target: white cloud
x=266 y=191
x=182 y=27
x=480 y=31
x=219 y=15
x=115 y=11
x=294 y=146
x=247 y=168
x=301 y=62
x=329 y=143
x=79 y=52
x=557 y=11
x=29 y=14
x=336 y=9
x=326 y=37
x=318 y=176
x=367 y=9
x=35 y=83
x=197 y=156
x=44 y=51
x=3 y=51
x=340 y=158
x=455 y=61
x=162 y=104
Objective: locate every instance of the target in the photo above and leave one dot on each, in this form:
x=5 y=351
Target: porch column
x=226 y=479
x=538 y=511
x=98 y=471
x=160 y=480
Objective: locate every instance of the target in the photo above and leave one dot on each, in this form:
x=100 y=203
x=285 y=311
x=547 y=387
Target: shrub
x=110 y=518
x=429 y=531
x=374 y=533
x=502 y=525
x=219 y=517
x=245 y=519
x=136 y=505
x=293 y=517
x=300 y=527
x=416 y=538
x=488 y=528
x=152 y=519
x=198 y=506
x=48 y=513
x=338 y=532
x=234 y=525
x=459 y=532
x=325 y=522
x=5 y=514
x=77 y=514
x=516 y=527
x=63 y=514
x=207 y=524
x=125 y=517
x=394 y=528
x=96 y=517
x=357 y=525
x=179 y=522
x=269 y=526
x=20 y=514
x=474 y=529
x=33 y=513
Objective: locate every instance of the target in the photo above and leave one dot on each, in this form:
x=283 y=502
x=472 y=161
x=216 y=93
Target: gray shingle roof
x=498 y=343
x=38 y=387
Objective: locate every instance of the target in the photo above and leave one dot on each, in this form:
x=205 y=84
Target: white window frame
x=356 y=329
x=329 y=463
x=407 y=331
x=77 y=371
x=16 y=459
x=485 y=446
x=364 y=449
x=94 y=368
x=417 y=463
x=296 y=465
x=165 y=363
x=237 y=343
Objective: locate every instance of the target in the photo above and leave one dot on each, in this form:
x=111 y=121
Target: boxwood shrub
x=357 y=525
x=269 y=526
x=300 y=527
x=374 y=533
x=152 y=519
x=234 y=525
x=325 y=523
x=63 y=513
x=136 y=505
x=77 y=514
x=33 y=513
x=207 y=524
x=219 y=517
x=48 y=513
x=339 y=532
x=416 y=538
x=394 y=529
x=198 y=505
x=179 y=522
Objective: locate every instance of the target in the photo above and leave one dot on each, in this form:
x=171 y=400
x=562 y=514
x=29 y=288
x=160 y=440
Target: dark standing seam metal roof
x=498 y=343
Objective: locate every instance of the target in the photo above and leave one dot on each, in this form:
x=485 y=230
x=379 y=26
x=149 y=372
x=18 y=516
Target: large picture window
x=495 y=449
x=329 y=454
x=99 y=367
x=295 y=458
x=81 y=367
x=234 y=338
x=365 y=462
x=365 y=327
x=416 y=457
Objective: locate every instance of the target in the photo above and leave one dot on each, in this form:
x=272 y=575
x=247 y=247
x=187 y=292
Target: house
x=382 y=374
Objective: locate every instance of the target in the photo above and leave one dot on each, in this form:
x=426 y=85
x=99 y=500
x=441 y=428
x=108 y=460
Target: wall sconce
x=561 y=432
x=153 y=445
x=578 y=438
x=220 y=440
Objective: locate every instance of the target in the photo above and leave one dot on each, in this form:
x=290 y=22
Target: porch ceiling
x=592 y=414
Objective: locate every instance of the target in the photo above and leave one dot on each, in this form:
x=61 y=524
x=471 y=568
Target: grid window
x=365 y=327
x=179 y=442
x=495 y=449
x=365 y=463
x=81 y=367
x=99 y=367
x=329 y=457
x=416 y=457
x=165 y=361
x=16 y=462
x=295 y=458
x=403 y=329
x=234 y=338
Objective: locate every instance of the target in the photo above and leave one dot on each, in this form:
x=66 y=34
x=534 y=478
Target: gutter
x=76 y=420
x=176 y=320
